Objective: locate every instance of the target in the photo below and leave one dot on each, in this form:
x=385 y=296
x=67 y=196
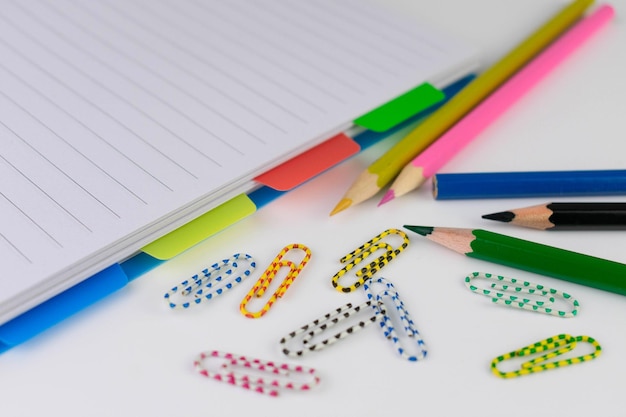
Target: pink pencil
x=426 y=164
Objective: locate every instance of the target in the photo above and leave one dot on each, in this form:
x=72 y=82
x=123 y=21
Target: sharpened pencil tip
x=389 y=195
x=503 y=216
x=341 y=206
x=421 y=230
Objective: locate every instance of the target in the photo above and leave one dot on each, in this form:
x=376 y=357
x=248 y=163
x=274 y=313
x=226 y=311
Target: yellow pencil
x=385 y=168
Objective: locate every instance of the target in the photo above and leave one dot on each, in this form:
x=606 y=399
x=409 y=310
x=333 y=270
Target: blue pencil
x=453 y=186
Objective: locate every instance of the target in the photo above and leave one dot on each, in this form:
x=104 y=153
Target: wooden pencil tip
x=389 y=195
x=421 y=230
x=341 y=206
x=503 y=216
x=410 y=178
x=365 y=186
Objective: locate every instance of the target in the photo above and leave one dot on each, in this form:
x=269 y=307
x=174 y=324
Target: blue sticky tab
x=139 y=264
x=58 y=308
x=264 y=195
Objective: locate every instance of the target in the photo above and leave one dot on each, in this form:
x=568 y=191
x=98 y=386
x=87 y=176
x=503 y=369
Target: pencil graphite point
x=421 y=230
x=341 y=206
x=454 y=124
x=389 y=195
x=365 y=187
x=410 y=178
x=503 y=216
x=392 y=162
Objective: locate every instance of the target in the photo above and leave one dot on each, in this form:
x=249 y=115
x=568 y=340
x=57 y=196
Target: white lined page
x=120 y=117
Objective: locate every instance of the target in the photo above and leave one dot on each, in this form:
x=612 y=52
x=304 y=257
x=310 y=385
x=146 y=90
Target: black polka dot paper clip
x=307 y=333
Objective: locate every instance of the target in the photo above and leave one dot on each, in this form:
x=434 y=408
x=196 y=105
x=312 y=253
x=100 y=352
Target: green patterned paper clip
x=522 y=294
x=553 y=346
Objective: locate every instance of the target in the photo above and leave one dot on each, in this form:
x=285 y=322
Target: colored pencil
x=385 y=168
x=566 y=216
x=542 y=259
x=455 y=186
x=427 y=163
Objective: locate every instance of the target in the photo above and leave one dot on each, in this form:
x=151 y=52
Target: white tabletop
x=130 y=355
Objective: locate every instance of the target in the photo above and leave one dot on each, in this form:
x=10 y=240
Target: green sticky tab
x=201 y=228
x=401 y=108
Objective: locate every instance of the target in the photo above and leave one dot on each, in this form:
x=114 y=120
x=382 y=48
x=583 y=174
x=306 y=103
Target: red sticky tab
x=310 y=163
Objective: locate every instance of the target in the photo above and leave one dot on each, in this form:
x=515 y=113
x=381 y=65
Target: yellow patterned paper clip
x=553 y=346
x=270 y=273
x=365 y=250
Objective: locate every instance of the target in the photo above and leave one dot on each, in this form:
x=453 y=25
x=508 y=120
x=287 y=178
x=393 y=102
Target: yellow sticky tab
x=201 y=228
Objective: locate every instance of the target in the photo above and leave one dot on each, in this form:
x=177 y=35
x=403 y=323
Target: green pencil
x=530 y=256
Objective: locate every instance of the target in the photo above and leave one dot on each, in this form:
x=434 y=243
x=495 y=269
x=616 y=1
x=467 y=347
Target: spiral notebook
x=122 y=120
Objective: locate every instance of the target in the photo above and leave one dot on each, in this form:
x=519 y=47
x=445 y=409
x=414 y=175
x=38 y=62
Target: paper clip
x=324 y=323
x=362 y=252
x=386 y=324
x=249 y=373
x=264 y=281
x=554 y=346
x=522 y=294
x=216 y=279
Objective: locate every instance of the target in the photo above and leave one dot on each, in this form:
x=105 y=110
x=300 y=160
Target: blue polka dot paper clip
x=211 y=282
x=389 y=294
x=305 y=335
x=516 y=293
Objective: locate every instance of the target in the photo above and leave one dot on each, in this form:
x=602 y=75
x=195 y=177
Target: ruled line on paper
x=160 y=109
x=31 y=220
x=203 y=80
x=327 y=31
x=131 y=81
x=294 y=54
x=72 y=147
x=104 y=112
x=303 y=51
x=343 y=25
x=310 y=40
x=383 y=28
x=59 y=169
x=82 y=124
x=235 y=122
x=85 y=74
x=104 y=141
x=272 y=68
x=162 y=78
x=44 y=193
x=15 y=249
x=213 y=64
x=390 y=35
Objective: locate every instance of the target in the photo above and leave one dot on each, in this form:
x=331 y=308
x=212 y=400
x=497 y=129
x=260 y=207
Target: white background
x=130 y=355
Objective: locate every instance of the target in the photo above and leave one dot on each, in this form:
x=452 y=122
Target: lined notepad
x=122 y=119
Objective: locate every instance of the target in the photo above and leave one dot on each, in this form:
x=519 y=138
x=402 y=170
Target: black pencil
x=566 y=216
